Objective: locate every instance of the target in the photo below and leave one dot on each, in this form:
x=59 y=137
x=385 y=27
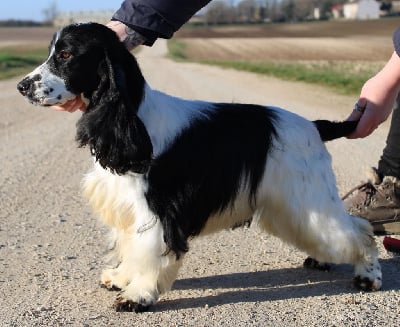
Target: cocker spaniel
x=167 y=169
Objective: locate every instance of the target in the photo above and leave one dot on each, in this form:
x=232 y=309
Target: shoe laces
x=366 y=188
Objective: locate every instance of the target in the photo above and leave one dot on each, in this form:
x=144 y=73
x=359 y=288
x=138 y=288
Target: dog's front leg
x=142 y=250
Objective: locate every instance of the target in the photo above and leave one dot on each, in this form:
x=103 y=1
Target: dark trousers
x=389 y=164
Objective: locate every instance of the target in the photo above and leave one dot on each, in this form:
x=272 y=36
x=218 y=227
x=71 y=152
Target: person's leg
x=389 y=164
x=378 y=199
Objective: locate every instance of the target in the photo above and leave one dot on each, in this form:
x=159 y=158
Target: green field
x=18 y=60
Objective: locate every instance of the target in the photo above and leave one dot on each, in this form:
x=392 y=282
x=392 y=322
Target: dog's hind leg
x=359 y=248
x=334 y=238
x=367 y=269
x=298 y=201
x=368 y=275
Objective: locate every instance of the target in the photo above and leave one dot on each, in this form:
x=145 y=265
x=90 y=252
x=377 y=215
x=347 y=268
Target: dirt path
x=52 y=247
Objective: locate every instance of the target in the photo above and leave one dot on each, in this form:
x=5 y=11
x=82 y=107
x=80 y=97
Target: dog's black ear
x=110 y=125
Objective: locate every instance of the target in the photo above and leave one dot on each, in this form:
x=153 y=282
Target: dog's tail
x=329 y=130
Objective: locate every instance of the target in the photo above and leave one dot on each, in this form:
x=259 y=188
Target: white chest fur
x=113 y=197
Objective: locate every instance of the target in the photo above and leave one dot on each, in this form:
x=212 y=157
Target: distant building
x=361 y=9
x=316 y=14
x=395 y=7
x=337 y=11
x=69 y=17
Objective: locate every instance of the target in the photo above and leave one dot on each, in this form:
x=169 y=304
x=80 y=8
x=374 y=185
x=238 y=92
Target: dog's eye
x=65 y=55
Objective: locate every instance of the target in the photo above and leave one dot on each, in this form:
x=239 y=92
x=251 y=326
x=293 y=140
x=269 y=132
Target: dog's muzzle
x=44 y=91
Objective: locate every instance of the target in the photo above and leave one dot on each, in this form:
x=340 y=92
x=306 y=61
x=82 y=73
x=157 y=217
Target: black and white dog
x=167 y=169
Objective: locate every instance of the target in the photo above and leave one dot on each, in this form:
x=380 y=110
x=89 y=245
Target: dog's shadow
x=273 y=285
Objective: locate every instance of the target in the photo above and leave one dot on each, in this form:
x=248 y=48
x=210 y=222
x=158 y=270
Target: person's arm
x=143 y=21
x=378 y=94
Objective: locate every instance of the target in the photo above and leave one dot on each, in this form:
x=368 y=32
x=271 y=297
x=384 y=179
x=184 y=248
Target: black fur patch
x=202 y=172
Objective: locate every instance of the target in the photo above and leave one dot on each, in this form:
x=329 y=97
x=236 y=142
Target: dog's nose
x=23 y=86
x=27 y=83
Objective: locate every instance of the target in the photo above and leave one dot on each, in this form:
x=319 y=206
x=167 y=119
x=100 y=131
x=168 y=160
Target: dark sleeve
x=396 y=41
x=157 y=18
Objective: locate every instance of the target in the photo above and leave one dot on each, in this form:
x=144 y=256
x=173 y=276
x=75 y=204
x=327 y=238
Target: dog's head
x=89 y=60
x=79 y=56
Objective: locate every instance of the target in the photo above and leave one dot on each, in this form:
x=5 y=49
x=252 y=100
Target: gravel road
x=52 y=247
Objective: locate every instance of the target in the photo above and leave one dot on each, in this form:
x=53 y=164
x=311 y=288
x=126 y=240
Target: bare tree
x=289 y=10
x=247 y=11
x=299 y=10
x=51 y=12
x=219 y=12
x=225 y=11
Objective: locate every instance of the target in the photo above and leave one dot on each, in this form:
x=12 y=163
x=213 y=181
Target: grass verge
x=176 y=50
x=342 y=77
x=20 y=60
x=332 y=75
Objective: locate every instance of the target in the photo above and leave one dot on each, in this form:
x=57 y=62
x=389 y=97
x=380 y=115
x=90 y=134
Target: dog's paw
x=112 y=280
x=110 y=287
x=135 y=298
x=368 y=277
x=365 y=284
x=122 y=304
x=311 y=263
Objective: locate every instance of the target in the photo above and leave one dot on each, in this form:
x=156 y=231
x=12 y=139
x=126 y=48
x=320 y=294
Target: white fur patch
x=50 y=89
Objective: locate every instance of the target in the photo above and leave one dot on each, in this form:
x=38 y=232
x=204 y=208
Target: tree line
x=256 y=11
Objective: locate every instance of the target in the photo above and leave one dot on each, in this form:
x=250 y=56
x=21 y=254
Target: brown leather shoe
x=378 y=201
